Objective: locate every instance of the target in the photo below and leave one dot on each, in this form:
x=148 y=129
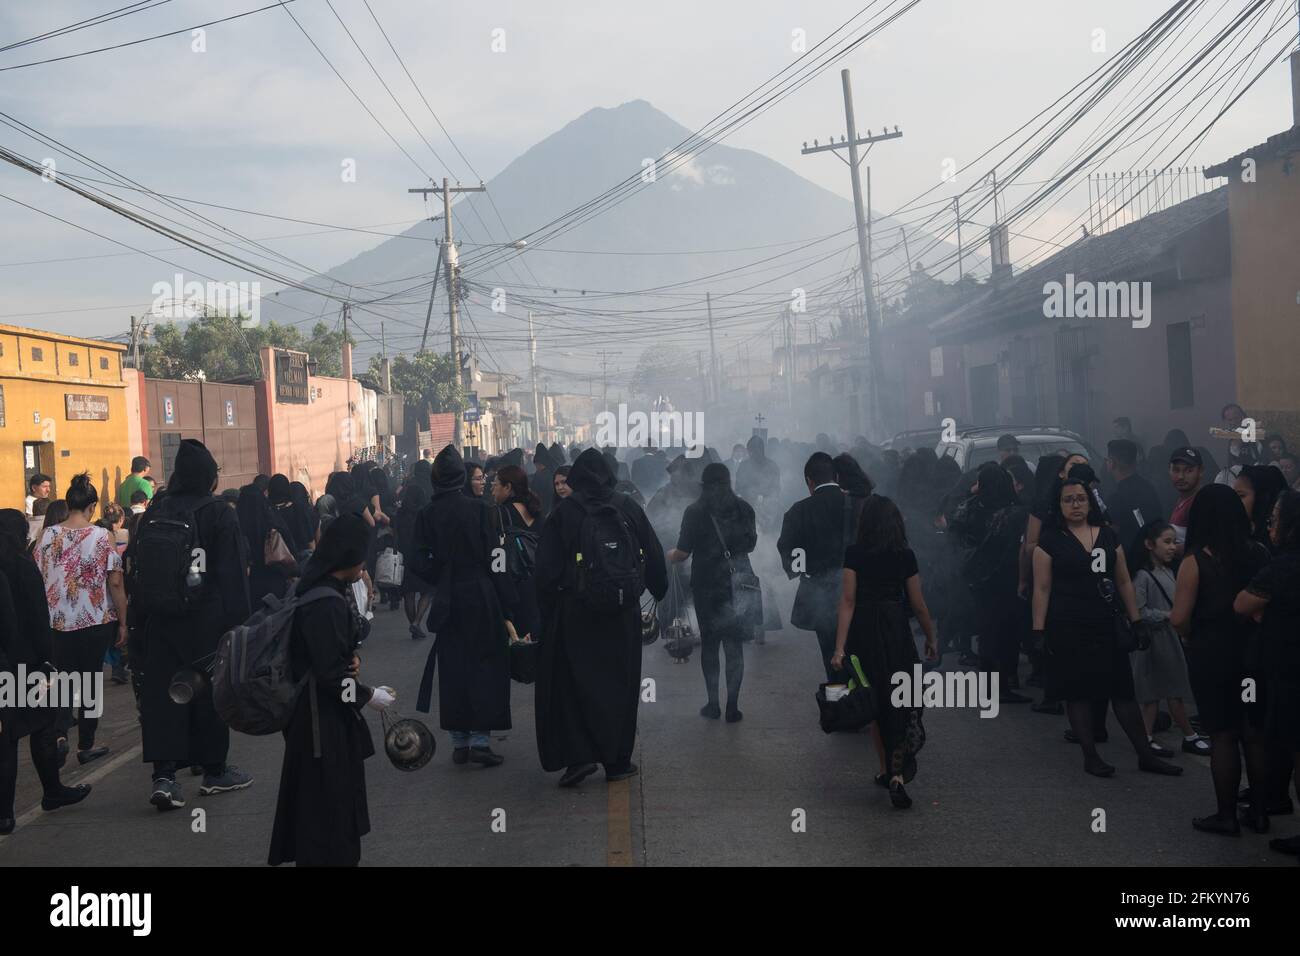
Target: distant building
x=1264 y=230
x=1024 y=363
x=65 y=408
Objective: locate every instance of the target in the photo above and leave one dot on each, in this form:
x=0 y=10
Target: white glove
x=381 y=698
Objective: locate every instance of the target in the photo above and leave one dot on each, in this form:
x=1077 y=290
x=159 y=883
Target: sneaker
x=1158 y=750
x=484 y=756
x=460 y=755
x=166 y=794
x=1197 y=745
x=232 y=778
x=631 y=771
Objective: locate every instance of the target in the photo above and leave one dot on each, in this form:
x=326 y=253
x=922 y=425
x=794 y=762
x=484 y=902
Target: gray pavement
x=1001 y=791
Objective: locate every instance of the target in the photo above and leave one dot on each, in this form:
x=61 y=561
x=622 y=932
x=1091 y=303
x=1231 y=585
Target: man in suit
x=812 y=546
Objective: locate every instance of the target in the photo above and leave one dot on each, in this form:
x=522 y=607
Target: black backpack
x=610 y=562
x=520 y=543
x=166 y=568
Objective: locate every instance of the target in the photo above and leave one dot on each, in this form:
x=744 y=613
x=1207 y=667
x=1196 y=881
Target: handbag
x=523 y=661
x=276 y=554
x=389 y=569
x=746 y=589
x=1130 y=636
x=855 y=709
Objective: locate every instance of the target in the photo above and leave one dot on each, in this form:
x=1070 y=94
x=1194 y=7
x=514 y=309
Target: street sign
x=472 y=412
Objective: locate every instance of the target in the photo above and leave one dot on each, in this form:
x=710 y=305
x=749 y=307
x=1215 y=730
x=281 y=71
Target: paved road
x=1003 y=791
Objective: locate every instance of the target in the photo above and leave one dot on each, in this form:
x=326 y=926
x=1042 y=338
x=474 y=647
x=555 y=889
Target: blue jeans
x=468 y=738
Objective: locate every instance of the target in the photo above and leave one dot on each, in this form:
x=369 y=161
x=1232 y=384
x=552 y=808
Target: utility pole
x=532 y=364
x=386 y=372
x=699 y=373
x=713 y=354
x=852 y=143
x=961 y=271
x=449 y=260
x=135 y=343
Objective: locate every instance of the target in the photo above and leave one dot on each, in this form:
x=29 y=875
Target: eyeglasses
x=1075 y=500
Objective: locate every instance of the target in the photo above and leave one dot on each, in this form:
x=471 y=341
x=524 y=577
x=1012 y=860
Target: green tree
x=661 y=370
x=217 y=348
x=426 y=381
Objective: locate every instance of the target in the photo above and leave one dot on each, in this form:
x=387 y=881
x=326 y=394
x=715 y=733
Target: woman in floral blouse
x=87 y=600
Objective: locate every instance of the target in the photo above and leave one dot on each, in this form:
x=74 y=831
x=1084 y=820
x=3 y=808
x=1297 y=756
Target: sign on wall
x=291 y=377
x=169 y=410
x=230 y=412
x=86 y=408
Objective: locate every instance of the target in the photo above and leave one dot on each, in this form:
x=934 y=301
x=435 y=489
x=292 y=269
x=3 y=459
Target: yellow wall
x=35 y=384
x=1264 y=222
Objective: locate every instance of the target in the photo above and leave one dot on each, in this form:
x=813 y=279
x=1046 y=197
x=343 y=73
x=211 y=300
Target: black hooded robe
x=162 y=645
x=455 y=537
x=321 y=812
x=589 y=664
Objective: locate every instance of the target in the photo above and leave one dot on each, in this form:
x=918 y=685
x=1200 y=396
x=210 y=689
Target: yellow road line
x=618 y=838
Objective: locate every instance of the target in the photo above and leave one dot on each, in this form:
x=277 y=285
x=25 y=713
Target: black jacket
x=816 y=526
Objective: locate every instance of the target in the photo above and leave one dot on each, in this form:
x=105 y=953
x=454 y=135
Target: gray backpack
x=253 y=689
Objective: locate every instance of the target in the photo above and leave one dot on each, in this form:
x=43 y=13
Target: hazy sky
x=258 y=120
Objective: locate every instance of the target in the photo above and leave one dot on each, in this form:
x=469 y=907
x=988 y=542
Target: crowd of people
x=1151 y=593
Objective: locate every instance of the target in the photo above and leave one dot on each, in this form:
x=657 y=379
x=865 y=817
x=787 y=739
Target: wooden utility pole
x=449 y=260
x=851 y=144
x=532 y=365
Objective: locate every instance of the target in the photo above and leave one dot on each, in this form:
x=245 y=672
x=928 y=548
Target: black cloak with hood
x=454 y=540
x=321 y=812
x=256 y=521
x=161 y=645
x=543 y=483
x=589 y=667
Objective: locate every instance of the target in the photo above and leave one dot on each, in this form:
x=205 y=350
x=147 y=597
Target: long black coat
x=589 y=664
x=162 y=645
x=455 y=541
x=25 y=638
x=710 y=570
x=321 y=812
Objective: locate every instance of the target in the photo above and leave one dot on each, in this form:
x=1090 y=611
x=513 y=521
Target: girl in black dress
x=881 y=582
x=1273 y=599
x=1081 y=585
x=1221 y=559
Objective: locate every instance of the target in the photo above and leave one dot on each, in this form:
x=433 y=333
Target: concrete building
x=311 y=425
x=1264 y=235
x=1081 y=370
x=65 y=407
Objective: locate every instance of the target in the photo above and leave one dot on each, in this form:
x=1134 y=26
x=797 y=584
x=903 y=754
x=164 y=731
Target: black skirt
x=1085 y=663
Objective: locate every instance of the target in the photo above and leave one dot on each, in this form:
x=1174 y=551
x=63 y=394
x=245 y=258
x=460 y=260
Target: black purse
x=1130 y=636
x=746 y=589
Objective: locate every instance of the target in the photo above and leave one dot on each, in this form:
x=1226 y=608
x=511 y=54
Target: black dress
x=1084 y=660
x=321 y=812
x=879 y=636
x=1219 y=647
x=1279 y=634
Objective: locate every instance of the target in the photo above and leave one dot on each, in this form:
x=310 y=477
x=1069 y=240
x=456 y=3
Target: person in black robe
x=256 y=522
x=758 y=481
x=26 y=640
x=279 y=495
x=305 y=516
x=543 y=483
x=321 y=812
x=175 y=734
x=589 y=664
x=455 y=540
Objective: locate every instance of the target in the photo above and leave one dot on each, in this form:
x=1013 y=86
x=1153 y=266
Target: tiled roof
x=1130 y=253
x=1282 y=144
